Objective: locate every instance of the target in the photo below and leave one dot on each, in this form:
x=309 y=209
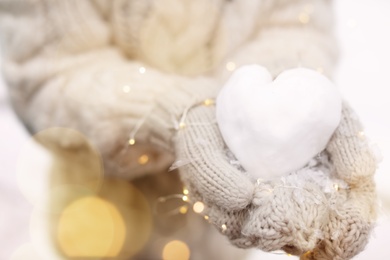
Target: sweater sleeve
x=63 y=71
x=289 y=34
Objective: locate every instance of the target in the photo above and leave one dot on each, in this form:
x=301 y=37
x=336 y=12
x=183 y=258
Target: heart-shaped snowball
x=276 y=127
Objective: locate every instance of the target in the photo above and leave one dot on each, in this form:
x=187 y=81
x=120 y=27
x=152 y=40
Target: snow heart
x=276 y=127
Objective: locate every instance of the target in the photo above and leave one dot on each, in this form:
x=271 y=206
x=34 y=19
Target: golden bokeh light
x=91 y=227
x=143 y=159
x=208 y=102
x=68 y=160
x=183 y=209
x=176 y=250
x=135 y=211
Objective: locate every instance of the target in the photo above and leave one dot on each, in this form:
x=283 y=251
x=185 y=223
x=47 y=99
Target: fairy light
x=142 y=70
x=206 y=217
x=136 y=128
x=208 y=102
x=132 y=141
x=185 y=191
x=230 y=66
x=336 y=187
x=182 y=125
x=183 y=209
x=224 y=227
x=143 y=159
x=198 y=207
x=160 y=208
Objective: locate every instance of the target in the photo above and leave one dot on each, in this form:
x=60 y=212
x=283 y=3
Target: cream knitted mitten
x=299 y=213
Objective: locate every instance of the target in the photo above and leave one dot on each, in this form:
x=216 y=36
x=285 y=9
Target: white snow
x=276 y=127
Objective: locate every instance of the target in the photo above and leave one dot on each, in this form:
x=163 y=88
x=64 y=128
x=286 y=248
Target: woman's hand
x=294 y=214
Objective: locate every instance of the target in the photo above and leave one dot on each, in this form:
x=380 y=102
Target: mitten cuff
x=168 y=115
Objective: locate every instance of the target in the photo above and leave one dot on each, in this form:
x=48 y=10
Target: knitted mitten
x=299 y=213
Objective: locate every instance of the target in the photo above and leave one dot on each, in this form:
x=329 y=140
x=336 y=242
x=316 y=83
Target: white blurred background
x=363 y=28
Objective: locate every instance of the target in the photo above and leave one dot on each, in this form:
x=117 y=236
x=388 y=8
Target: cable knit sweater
x=66 y=62
x=119 y=69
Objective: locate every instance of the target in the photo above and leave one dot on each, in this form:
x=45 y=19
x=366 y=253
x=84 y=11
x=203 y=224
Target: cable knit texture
x=68 y=62
x=299 y=217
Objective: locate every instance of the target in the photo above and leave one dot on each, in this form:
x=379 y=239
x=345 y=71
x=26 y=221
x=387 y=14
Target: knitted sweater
x=79 y=64
x=123 y=72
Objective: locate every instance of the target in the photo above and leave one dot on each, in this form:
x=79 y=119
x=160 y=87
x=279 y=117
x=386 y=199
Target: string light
x=224 y=227
x=198 y=207
x=206 y=217
x=185 y=191
x=142 y=70
x=135 y=129
x=143 y=159
x=230 y=66
x=182 y=125
x=183 y=209
x=209 y=102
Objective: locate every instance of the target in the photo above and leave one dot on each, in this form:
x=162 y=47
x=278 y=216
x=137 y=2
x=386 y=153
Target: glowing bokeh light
x=176 y=250
x=91 y=227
